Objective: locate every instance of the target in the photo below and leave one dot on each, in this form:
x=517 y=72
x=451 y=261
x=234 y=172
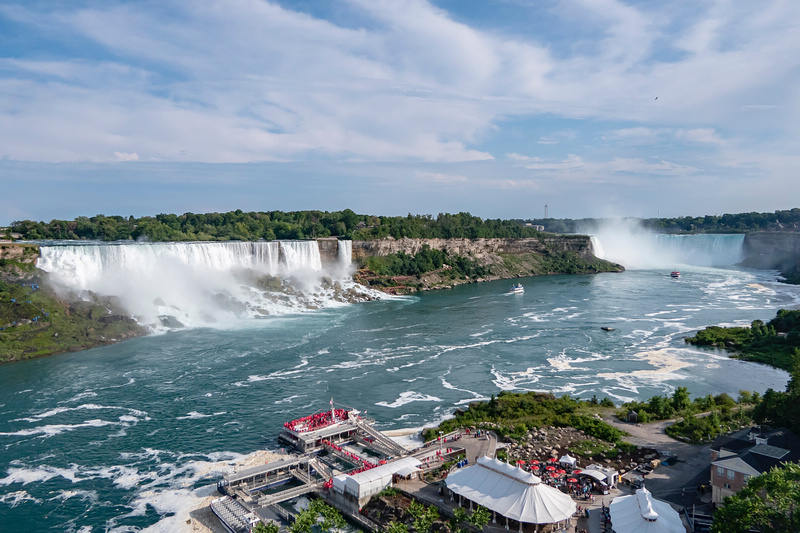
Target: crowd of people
x=316 y=421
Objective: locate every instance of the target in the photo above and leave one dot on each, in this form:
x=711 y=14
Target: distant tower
x=545 y=210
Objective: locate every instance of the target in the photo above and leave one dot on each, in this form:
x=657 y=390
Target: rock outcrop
x=475 y=248
x=774 y=251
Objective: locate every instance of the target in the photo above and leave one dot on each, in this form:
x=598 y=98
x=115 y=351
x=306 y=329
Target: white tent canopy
x=376 y=479
x=567 y=460
x=641 y=513
x=511 y=492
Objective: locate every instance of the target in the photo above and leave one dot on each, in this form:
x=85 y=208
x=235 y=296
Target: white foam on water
x=87 y=406
x=290 y=398
x=194 y=415
x=80 y=396
x=408 y=397
x=39 y=474
x=12 y=499
x=56 y=429
x=83 y=495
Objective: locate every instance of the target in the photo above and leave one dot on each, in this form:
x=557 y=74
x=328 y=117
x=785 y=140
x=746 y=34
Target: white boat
x=517 y=289
x=675 y=274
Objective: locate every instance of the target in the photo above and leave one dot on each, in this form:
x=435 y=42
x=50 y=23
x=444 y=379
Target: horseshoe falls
x=640 y=249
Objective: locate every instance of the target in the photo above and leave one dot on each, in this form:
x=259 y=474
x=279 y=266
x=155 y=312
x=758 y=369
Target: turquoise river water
x=126 y=437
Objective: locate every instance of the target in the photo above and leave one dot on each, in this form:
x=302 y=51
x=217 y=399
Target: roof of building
x=641 y=513
x=748 y=450
x=511 y=492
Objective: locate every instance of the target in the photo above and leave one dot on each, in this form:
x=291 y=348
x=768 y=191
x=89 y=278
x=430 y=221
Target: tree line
x=271 y=225
x=786 y=220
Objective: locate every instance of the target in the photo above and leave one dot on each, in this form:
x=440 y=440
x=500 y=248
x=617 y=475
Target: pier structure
x=338 y=455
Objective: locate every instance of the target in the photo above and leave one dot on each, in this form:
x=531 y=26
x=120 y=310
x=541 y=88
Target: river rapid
x=129 y=436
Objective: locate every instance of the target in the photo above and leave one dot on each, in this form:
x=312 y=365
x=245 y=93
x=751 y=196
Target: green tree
x=680 y=399
x=459 y=517
x=308 y=518
x=769 y=503
x=270 y=527
x=395 y=527
x=480 y=517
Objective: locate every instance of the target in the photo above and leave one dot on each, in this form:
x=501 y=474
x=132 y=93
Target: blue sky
x=496 y=107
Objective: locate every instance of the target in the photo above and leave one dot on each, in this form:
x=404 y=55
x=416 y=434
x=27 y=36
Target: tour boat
x=517 y=289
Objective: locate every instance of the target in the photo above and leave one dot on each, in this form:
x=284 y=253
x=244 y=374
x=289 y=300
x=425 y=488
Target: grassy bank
x=35 y=321
x=774 y=343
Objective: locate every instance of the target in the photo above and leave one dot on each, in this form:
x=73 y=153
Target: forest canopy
x=270 y=225
x=786 y=220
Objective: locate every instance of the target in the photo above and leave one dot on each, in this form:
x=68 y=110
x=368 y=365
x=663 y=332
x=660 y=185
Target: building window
x=720 y=471
x=746 y=477
x=730 y=474
x=727 y=485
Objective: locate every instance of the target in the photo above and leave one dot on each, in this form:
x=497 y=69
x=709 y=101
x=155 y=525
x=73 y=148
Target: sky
x=594 y=108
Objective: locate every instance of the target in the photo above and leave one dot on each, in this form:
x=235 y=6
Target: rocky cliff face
x=774 y=250
x=475 y=248
x=495 y=259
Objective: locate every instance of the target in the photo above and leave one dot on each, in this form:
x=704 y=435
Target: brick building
x=737 y=457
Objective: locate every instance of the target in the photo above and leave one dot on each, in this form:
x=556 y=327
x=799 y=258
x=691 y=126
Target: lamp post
x=440 y=440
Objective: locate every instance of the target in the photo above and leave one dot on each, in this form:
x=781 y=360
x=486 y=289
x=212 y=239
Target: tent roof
x=597 y=474
x=387 y=469
x=511 y=491
x=641 y=513
x=568 y=460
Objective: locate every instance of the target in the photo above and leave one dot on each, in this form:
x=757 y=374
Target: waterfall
x=638 y=249
x=344 y=254
x=597 y=247
x=202 y=283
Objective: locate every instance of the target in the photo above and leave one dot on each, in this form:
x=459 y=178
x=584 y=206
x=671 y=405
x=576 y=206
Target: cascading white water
x=300 y=255
x=200 y=283
x=636 y=248
x=344 y=253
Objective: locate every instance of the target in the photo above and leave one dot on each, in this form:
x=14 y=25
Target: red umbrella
x=562 y=471
x=550 y=468
x=552 y=459
x=571 y=480
x=520 y=462
x=576 y=471
x=534 y=462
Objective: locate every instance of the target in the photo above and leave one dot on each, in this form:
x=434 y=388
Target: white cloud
x=439 y=177
x=123 y=156
x=700 y=135
x=248 y=81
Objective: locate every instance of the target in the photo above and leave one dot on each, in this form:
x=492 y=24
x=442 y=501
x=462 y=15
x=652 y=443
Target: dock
x=337 y=455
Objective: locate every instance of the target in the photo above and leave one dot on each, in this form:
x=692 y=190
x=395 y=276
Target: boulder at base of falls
x=169 y=321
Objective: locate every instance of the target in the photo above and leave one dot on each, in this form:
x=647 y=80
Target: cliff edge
x=774 y=250
x=486 y=260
